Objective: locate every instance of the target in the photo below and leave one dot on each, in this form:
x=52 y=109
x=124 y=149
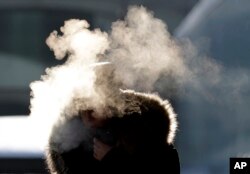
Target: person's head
x=151 y=123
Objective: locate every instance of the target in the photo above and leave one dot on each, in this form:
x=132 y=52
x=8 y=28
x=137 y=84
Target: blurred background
x=209 y=132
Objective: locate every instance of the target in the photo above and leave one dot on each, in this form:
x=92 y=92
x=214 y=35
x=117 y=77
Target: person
x=140 y=139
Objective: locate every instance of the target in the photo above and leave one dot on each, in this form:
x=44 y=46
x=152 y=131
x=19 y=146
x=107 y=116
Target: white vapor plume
x=141 y=52
x=52 y=95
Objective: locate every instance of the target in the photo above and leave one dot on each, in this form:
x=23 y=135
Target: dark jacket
x=144 y=135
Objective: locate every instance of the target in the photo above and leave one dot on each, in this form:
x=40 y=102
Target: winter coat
x=144 y=134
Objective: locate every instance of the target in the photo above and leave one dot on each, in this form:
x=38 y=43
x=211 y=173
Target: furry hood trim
x=155 y=108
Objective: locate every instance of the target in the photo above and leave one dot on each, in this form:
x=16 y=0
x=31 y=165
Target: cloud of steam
x=76 y=77
x=142 y=50
x=53 y=94
x=143 y=56
x=139 y=48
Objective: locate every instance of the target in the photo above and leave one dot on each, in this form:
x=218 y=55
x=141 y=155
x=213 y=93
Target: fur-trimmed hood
x=156 y=112
x=144 y=115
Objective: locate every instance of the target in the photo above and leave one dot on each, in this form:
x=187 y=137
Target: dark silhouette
x=141 y=140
